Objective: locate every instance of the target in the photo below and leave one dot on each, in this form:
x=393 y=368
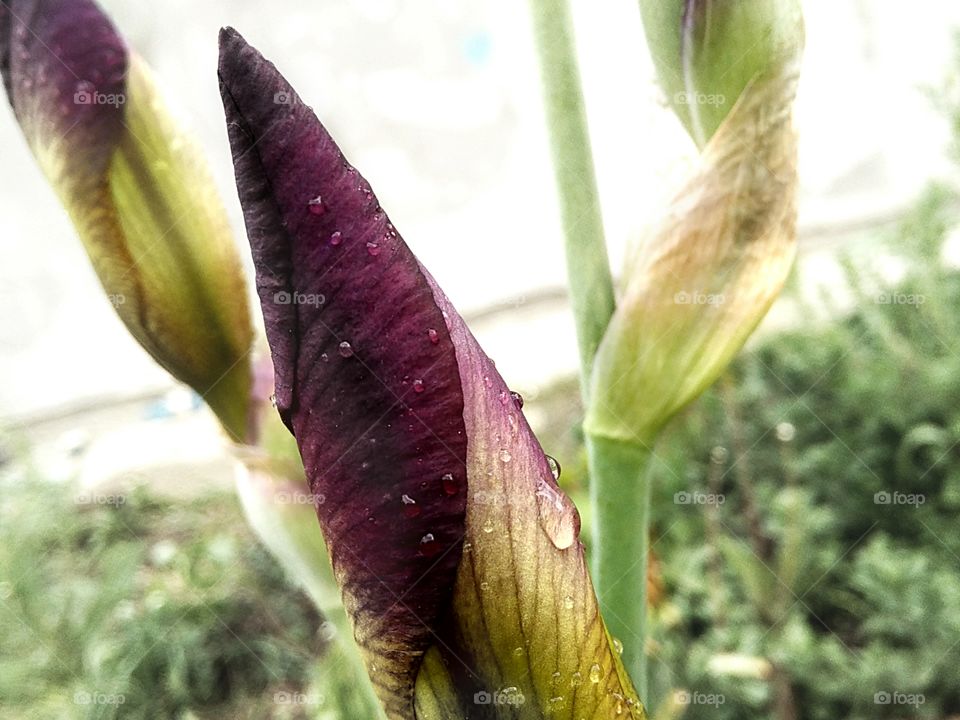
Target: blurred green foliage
x=138 y=608
x=818 y=529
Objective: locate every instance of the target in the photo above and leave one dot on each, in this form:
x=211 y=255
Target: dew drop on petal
x=315 y=205
x=504 y=397
x=336 y=238
x=449 y=483
x=554 y=467
x=505 y=456
x=433 y=335
x=410 y=507
x=617 y=646
x=517 y=399
x=595 y=673
x=418 y=386
x=429 y=546
x=558 y=515
x=576 y=679
x=488 y=527
x=556 y=678
x=373 y=249
x=324 y=357
x=345 y=349
x=568 y=602
x=517 y=651
x=484 y=586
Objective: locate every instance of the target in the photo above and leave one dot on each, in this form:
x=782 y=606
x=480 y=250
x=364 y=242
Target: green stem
x=588 y=269
x=620 y=493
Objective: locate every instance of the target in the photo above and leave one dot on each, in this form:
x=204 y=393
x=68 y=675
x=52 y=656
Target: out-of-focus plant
x=138 y=192
x=701 y=279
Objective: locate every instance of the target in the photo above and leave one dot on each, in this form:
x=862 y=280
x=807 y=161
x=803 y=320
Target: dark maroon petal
x=64 y=67
x=371 y=394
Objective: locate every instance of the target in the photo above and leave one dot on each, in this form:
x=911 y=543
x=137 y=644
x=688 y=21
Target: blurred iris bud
x=707 y=272
x=138 y=192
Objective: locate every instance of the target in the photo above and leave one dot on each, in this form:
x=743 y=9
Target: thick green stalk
x=620 y=492
x=588 y=269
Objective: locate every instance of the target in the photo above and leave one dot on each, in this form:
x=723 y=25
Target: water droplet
x=336 y=238
x=595 y=673
x=617 y=646
x=410 y=507
x=484 y=586
x=504 y=397
x=418 y=386
x=429 y=545
x=556 y=704
x=576 y=679
x=345 y=349
x=324 y=357
x=518 y=651
x=433 y=335
x=467 y=546
x=556 y=678
x=619 y=707
x=488 y=527
x=554 y=467
x=373 y=249
x=505 y=456
x=517 y=399
x=450 y=486
x=315 y=205
x=487 y=381
x=558 y=515
x=568 y=602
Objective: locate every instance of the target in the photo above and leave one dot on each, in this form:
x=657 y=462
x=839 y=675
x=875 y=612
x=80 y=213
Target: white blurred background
x=438 y=104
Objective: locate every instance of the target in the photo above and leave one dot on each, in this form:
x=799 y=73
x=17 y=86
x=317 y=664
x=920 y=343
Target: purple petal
x=375 y=404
